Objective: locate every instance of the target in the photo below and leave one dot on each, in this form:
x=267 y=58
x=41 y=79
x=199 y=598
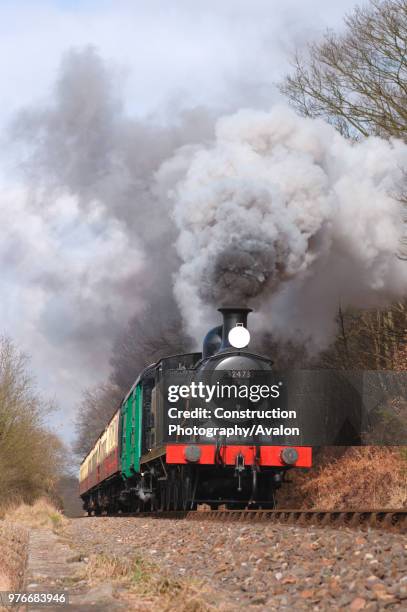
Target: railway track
x=389 y=520
x=271 y=562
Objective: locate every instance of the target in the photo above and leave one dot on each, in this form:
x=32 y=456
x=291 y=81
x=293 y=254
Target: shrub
x=30 y=455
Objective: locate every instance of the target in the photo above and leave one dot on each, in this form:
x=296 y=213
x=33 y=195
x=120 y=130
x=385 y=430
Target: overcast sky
x=196 y=51
x=220 y=54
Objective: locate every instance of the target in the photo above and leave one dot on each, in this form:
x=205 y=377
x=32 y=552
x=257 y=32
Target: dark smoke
x=242 y=271
x=128 y=219
x=89 y=169
x=283 y=214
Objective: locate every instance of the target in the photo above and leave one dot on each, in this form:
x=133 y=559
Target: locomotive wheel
x=168 y=490
x=175 y=495
x=154 y=503
x=186 y=492
x=272 y=497
x=162 y=493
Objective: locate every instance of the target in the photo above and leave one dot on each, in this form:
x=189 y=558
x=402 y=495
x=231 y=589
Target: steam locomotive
x=135 y=466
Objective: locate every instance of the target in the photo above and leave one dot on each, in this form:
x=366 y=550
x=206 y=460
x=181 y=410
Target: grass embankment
x=15 y=522
x=350 y=478
x=13 y=555
x=144 y=581
x=135 y=580
x=42 y=513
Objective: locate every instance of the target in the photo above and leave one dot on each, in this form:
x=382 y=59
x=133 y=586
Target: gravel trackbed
x=261 y=567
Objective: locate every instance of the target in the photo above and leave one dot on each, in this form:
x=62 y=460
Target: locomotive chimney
x=231 y=318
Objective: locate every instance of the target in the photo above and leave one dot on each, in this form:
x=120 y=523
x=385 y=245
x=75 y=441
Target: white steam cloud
x=64 y=280
x=283 y=214
x=272 y=211
x=86 y=241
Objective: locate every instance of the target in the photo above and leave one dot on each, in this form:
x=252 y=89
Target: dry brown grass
x=15 y=522
x=13 y=555
x=143 y=579
x=352 y=479
x=42 y=513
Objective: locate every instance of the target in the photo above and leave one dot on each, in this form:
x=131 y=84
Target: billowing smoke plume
x=87 y=237
x=283 y=214
x=279 y=212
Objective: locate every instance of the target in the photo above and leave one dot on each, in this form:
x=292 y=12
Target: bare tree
x=31 y=457
x=156 y=333
x=357 y=80
x=97 y=407
x=369 y=339
x=149 y=336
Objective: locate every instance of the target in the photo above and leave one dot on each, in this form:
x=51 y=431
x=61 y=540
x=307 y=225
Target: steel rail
x=389 y=520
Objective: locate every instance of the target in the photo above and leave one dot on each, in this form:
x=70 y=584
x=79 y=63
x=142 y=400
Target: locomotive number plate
x=240 y=373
